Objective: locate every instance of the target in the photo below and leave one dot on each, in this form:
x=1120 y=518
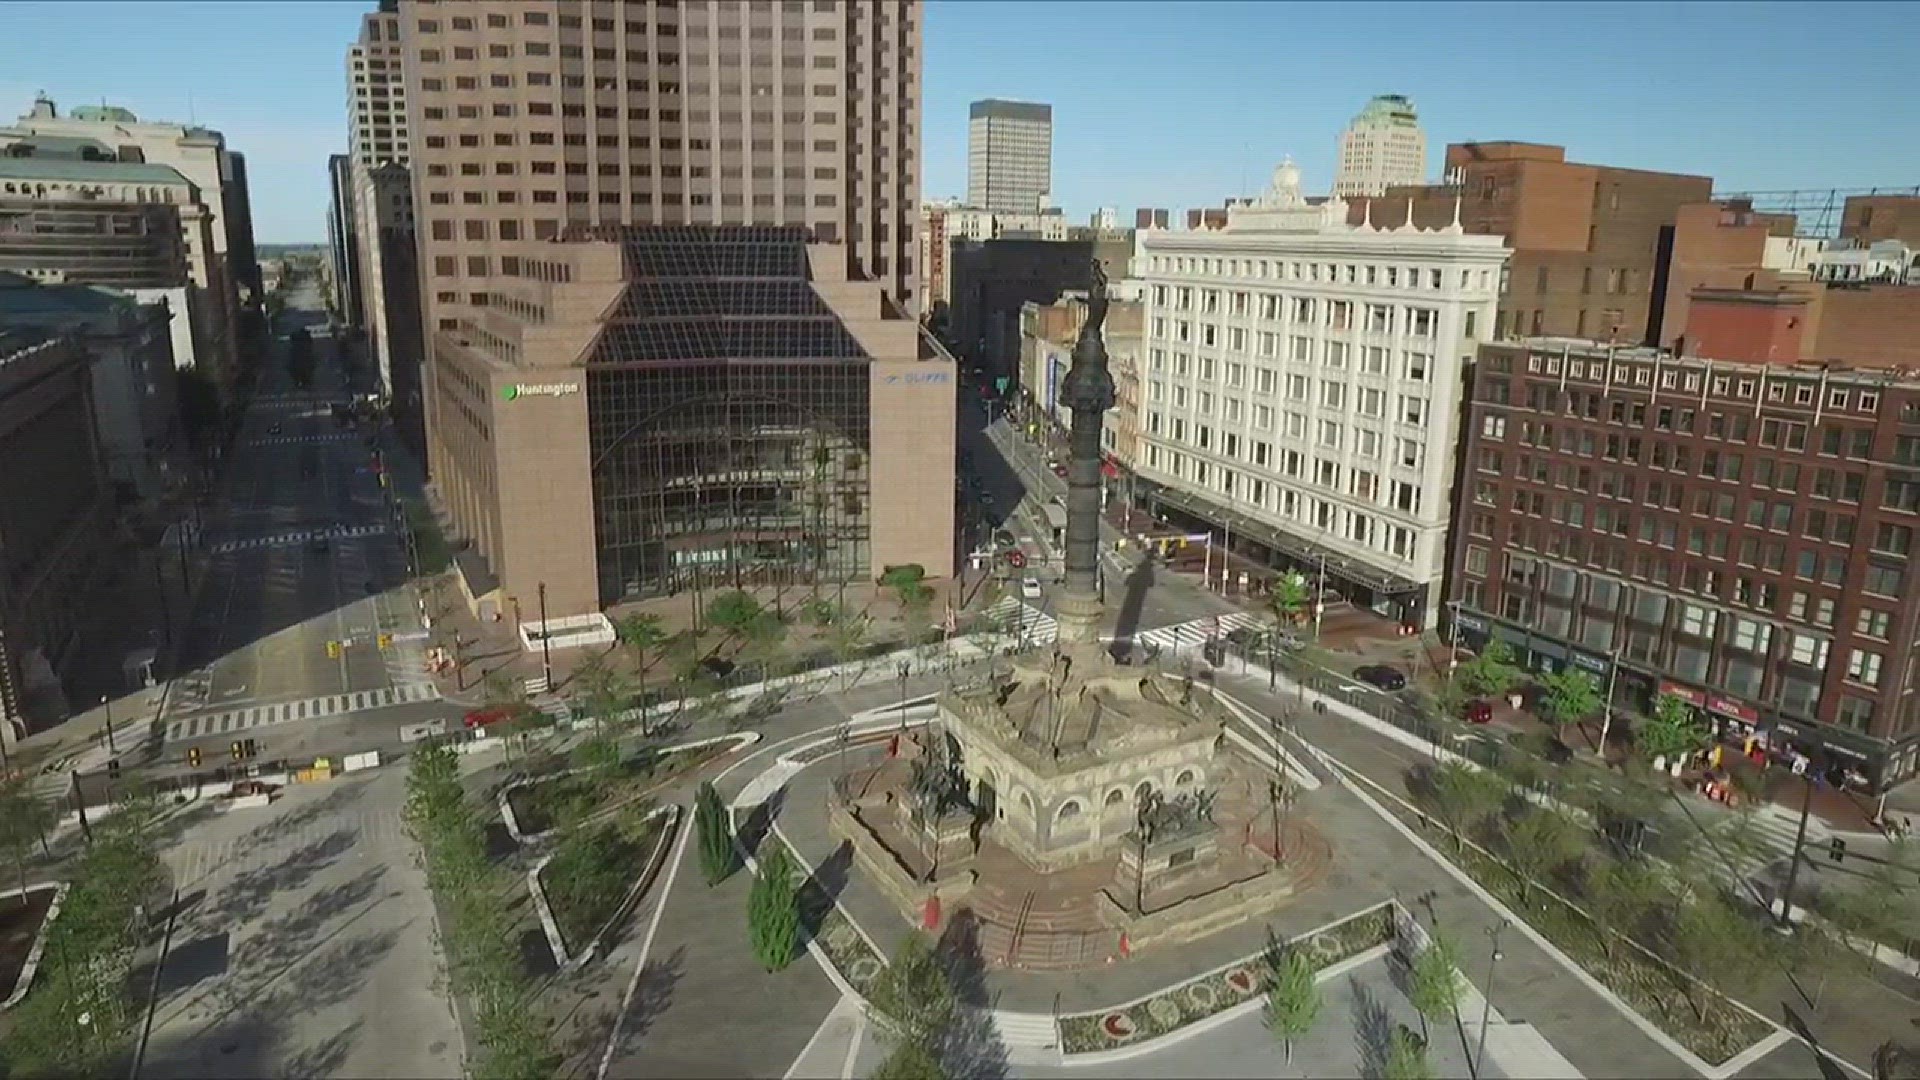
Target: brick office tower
x=536 y=126
x=1590 y=242
x=1737 y=534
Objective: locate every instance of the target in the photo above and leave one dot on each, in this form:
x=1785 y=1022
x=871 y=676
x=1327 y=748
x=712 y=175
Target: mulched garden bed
x=544 y=803
x=1204 y=995
x=587 y=878
x=19 y=926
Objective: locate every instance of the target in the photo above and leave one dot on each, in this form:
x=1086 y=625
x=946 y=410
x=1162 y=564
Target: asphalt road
x=301 y=553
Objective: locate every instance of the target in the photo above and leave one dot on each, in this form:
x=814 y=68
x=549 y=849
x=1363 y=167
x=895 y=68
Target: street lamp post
x=546 y=649
x=1486 y=997
x=107 y=702
x=904 y=670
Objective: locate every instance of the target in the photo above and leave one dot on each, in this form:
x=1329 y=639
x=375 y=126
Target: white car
x=1029 y=588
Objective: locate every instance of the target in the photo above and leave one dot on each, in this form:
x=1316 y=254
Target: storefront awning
x=1298 y=549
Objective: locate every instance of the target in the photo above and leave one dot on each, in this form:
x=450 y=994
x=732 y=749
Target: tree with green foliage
x=1674 y=728
x=909 y=1061
x=1293 y=997
x=1721 y=946
x=773 y=909
x=1466 y=796
x=765 y=642
x=600 y=692
x=1491 y=673
x=1288 y=598
x=643 y=635
x=714 y=834
x=914 y=994
x=1568 y=697
x=1618 y=895
x=25 y=820
x=1883 y=906
x=734 y=611
x=1539 y=841
x=1433 y=982
x=1406 y=1057
x=909 y=583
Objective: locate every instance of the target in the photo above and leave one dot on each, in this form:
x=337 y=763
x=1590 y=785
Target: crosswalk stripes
x=1011 y=616
x=1195 y=632
x=301 y=536
x=285 y=712
x=191 y=690
x=301 y=440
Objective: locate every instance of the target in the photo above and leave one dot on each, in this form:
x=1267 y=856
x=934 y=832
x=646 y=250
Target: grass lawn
x=435 y=556
x=20 y=919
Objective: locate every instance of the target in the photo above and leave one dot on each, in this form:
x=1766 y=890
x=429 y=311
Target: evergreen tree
x=1293 y=998
x=773 y=910
x=713 y=834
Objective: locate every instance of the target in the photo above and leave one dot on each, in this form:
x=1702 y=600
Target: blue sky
x=1155 y=104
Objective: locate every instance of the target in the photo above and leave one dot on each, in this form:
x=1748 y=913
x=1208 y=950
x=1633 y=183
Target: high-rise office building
x=606 y=195
x=1009 y=156
x=1383 y=146
x=343 y=240
x=377 y=213
x=377 y=92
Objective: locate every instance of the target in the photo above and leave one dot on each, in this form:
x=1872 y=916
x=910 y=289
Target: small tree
x=1569 y=697
x=1539 y=841
x=25 y=819
x=914 y=994
x=909 y=1061
x=1618 y=895
x=1293 y=997
x=1491 y=673
x=712 y=831
x=1466 y=796
x=1288 y=598
x=1406 y=1057
x=1720 y=946
x=773 y=910
x=643 y=635
x=733 y=611
x=600 y=692
x=1673 y=729
x=1433 y=983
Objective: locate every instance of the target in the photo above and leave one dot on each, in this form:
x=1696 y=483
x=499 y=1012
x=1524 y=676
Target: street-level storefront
x=1387 y=595
x=1732 y=718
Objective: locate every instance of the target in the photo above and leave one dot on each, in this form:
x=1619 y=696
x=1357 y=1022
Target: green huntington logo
x=513 y=391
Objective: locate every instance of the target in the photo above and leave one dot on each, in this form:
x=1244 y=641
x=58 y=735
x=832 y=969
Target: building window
x=1863 y=667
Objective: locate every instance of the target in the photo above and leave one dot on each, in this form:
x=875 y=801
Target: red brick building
x=1590 y=242
x=1738 y=534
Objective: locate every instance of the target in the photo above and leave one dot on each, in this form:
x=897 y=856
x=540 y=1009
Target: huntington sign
x=515 y=391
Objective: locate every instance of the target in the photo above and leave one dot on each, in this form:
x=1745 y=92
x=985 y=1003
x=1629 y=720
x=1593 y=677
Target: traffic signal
x=236 y=748
x=1837 y=849
x=113 y=768
x=333 y=650
x=193 y=756
x=386 y=641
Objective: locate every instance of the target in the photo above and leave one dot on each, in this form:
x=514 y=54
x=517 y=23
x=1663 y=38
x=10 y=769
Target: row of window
x=1338 y=315
x=1378 y=275
x=1414 y=365
x=1362 y=484
x=496 y=21
x=1793 y=389
x=1365 y=402
x=1329 y=434
x=1330 y=516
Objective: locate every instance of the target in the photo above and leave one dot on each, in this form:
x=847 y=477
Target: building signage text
x=514 y=391
x=928 y=378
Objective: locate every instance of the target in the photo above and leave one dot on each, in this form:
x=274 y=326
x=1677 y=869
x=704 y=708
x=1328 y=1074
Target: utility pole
x=546 y=647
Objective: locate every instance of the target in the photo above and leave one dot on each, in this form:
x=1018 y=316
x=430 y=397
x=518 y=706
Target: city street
x=301 y=554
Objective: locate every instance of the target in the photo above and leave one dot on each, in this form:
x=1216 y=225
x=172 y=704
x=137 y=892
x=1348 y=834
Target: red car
x=1060 y=470
x=480 y=718
x=1477 y=711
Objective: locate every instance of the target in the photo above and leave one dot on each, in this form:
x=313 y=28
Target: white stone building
x=1303 y=383
x=1383 y=146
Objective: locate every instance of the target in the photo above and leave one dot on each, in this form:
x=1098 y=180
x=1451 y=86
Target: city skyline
x=1188 y=94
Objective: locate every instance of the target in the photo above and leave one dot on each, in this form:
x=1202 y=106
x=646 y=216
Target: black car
x=1381 y=676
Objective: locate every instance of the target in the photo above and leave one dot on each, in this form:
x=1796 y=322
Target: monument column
x=1088 y=392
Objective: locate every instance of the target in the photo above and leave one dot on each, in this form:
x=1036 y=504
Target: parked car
x=1030 y=588
x=1477 y=711
x=1381 y=676
x=480 y=718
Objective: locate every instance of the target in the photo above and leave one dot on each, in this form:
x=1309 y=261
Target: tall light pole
x=107 y=702
x=1486 y=998
x=546 y=648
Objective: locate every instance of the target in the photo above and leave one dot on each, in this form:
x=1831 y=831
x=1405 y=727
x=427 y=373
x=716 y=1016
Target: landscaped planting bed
x=591 y=873
x=1204 y=995
x=20 y=920
x=1647 y=983
x=541 y=804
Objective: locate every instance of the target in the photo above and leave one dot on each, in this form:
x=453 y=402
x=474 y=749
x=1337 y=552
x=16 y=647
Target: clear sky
x=1155 y=104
